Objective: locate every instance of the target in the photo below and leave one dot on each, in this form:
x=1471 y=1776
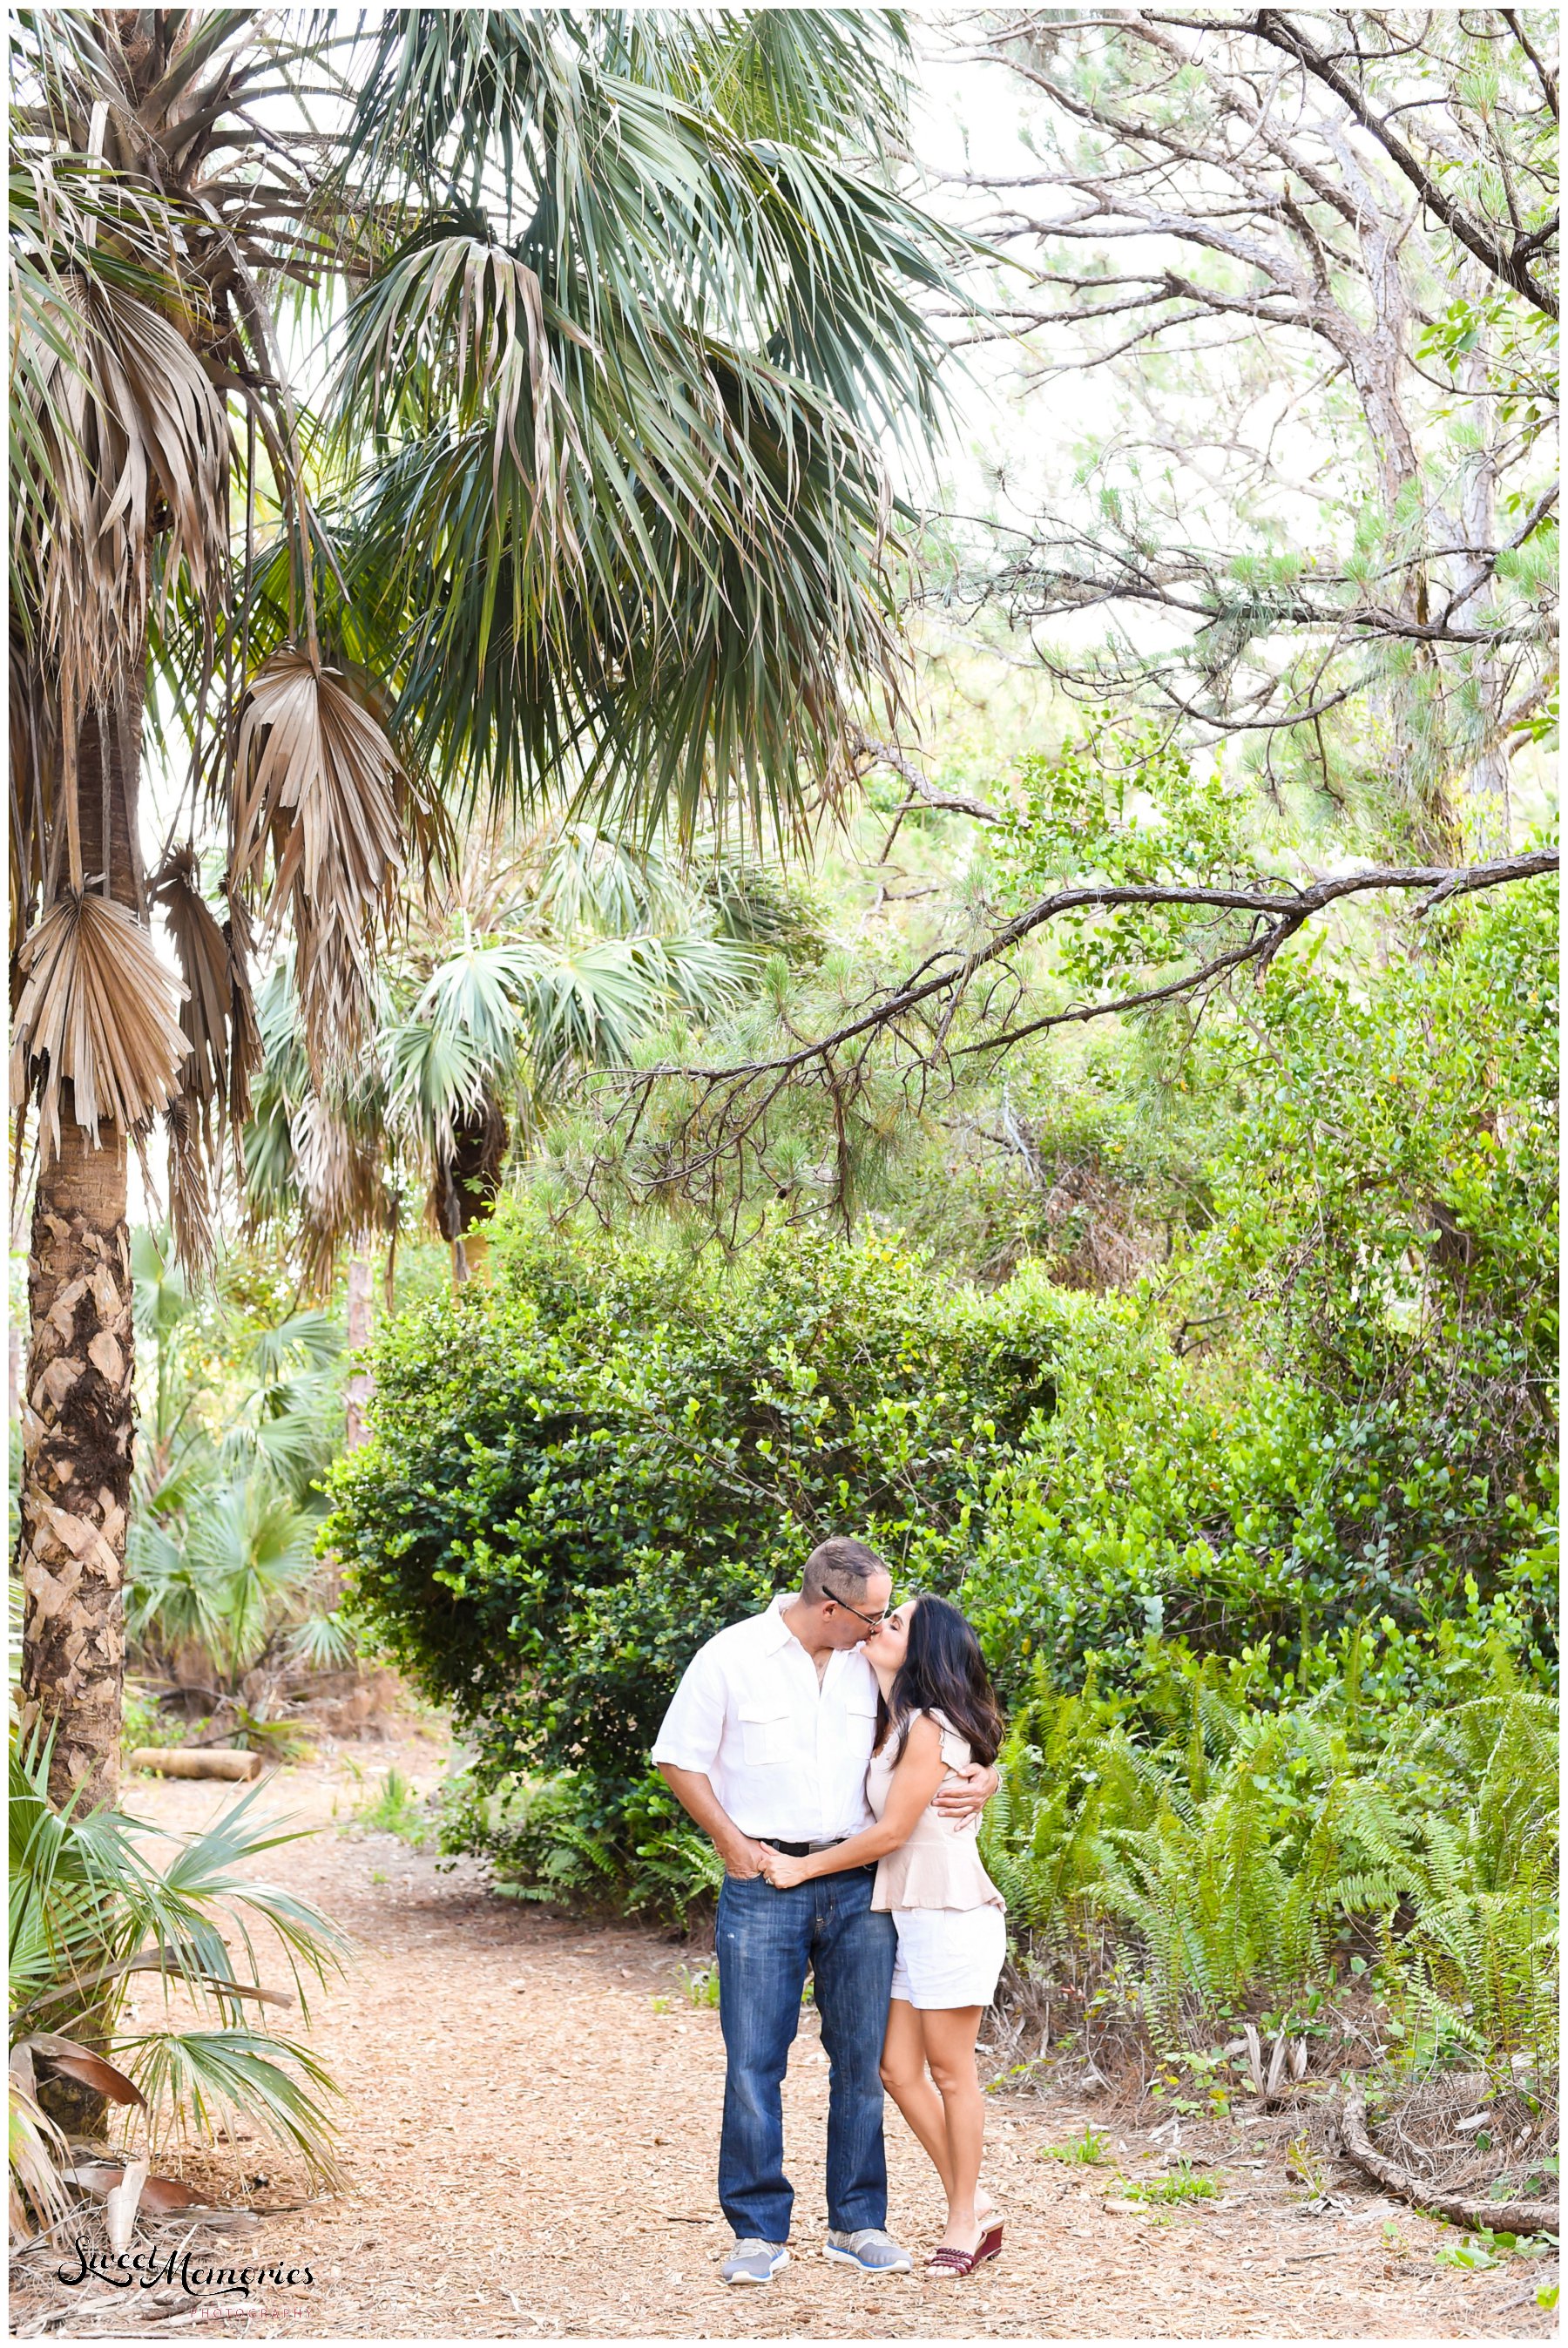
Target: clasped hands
x=962 y=1796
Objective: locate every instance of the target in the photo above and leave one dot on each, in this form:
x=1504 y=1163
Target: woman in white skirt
x=937 y=1711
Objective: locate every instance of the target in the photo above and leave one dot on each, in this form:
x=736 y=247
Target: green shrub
x=579 y=1838
x=581 y=1473
x=1167 y=1500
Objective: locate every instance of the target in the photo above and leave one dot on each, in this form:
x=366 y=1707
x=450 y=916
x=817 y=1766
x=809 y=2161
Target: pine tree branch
x=1277 y=916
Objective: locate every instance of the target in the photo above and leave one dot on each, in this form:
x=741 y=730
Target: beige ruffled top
x=939 y=1866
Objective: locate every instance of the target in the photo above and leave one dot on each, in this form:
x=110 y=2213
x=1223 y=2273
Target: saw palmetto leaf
x=210 y=2075
x=589 y=1007
x=590 y=879
x=99 y=1011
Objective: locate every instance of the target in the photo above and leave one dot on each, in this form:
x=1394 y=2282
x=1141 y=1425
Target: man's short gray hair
x=847 y=1565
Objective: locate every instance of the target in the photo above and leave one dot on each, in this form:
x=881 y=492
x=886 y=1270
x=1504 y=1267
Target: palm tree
x=594 y=503
x=553 y=961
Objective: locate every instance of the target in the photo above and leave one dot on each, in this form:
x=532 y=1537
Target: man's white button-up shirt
x=785 y=1754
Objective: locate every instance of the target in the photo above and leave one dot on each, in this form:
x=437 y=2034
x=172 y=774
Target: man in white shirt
x=767 y=1741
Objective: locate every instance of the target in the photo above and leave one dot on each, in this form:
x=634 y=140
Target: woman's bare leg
x=950 y=2038
x=904 y=2077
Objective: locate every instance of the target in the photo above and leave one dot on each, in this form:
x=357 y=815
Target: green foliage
x=1182 y=2185
x=1361 y=1422
x=1241 y=1848
x=1126 y=807
x=1085 y=2151
x=92 y=1905
x=397 y=1810
x=580 y=1475
x=575 y=1838
x=1388 y=1199
x=240 y=1418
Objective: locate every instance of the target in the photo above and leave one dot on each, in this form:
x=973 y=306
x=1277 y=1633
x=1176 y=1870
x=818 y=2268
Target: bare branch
x=1281 y=913
x=1512 y=265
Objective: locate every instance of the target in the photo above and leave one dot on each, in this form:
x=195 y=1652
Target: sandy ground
x=530 y=2125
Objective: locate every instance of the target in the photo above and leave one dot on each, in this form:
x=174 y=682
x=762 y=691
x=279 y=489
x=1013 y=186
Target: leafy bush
x=580 y=1475
x=574 y=1836
x=1163 y=1497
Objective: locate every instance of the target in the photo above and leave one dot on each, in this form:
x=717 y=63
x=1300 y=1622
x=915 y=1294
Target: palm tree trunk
x=75 y=1463
x=77 y=1421
x=361 y=1385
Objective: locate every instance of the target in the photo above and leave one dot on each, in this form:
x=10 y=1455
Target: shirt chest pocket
x=766 y=1729
x=860 y=1720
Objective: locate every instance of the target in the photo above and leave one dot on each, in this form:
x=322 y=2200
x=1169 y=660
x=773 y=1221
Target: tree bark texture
x=77 y=1412
x=76 y=1431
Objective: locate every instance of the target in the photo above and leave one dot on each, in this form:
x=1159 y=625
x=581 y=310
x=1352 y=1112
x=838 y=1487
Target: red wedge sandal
x=958 y=2263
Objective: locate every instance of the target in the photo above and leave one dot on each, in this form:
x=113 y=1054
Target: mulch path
x=530 y=2146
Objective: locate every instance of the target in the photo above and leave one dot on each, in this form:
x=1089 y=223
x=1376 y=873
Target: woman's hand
x=782 y=1871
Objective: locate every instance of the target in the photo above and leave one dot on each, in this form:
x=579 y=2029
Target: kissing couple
x=838 y=1751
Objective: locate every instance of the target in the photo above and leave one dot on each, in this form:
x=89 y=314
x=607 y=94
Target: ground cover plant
x=92 y=1909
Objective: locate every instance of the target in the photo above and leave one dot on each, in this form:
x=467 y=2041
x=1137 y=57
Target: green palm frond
x=249 y=1545
x=313 y=1337
x=206 y=2075
x=807 y=77
x=173 y=1597
x=323 y=1642
x=639 y=513
x=592 y=881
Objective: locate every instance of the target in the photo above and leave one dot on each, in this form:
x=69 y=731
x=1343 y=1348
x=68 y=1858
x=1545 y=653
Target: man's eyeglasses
x=872 y=1622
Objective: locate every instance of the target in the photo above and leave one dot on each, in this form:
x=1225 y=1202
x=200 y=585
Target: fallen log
x=1482 y=2217
x=180 y=1761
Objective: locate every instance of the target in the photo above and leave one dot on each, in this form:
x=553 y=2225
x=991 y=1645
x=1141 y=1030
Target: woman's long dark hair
x=943 y=1671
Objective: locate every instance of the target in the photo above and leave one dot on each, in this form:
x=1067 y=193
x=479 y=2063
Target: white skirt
x=949 y=1956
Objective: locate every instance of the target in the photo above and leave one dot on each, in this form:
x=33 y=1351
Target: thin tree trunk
x=1408 y=697
x=1487 y=817
x=78 y=1411
x=360 y=1385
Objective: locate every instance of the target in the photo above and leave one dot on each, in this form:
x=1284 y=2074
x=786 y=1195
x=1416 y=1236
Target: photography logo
x=195 y=2273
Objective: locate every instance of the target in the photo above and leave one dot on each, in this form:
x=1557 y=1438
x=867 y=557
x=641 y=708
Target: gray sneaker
x=870 y=2249
x=754 y=2262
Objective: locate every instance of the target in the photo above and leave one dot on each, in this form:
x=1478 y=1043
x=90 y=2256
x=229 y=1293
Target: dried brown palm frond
x=218 y=1018
x=244 y=1023
x=338 y=1172
x=320 y=782
x=127 y=439
x=99 y=1012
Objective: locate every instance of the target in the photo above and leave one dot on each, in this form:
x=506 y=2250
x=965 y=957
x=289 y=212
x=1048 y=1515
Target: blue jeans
x=766 y=1941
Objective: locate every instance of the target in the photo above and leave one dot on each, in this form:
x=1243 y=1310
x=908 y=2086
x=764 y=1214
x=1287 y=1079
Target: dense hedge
x=580 y=1473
